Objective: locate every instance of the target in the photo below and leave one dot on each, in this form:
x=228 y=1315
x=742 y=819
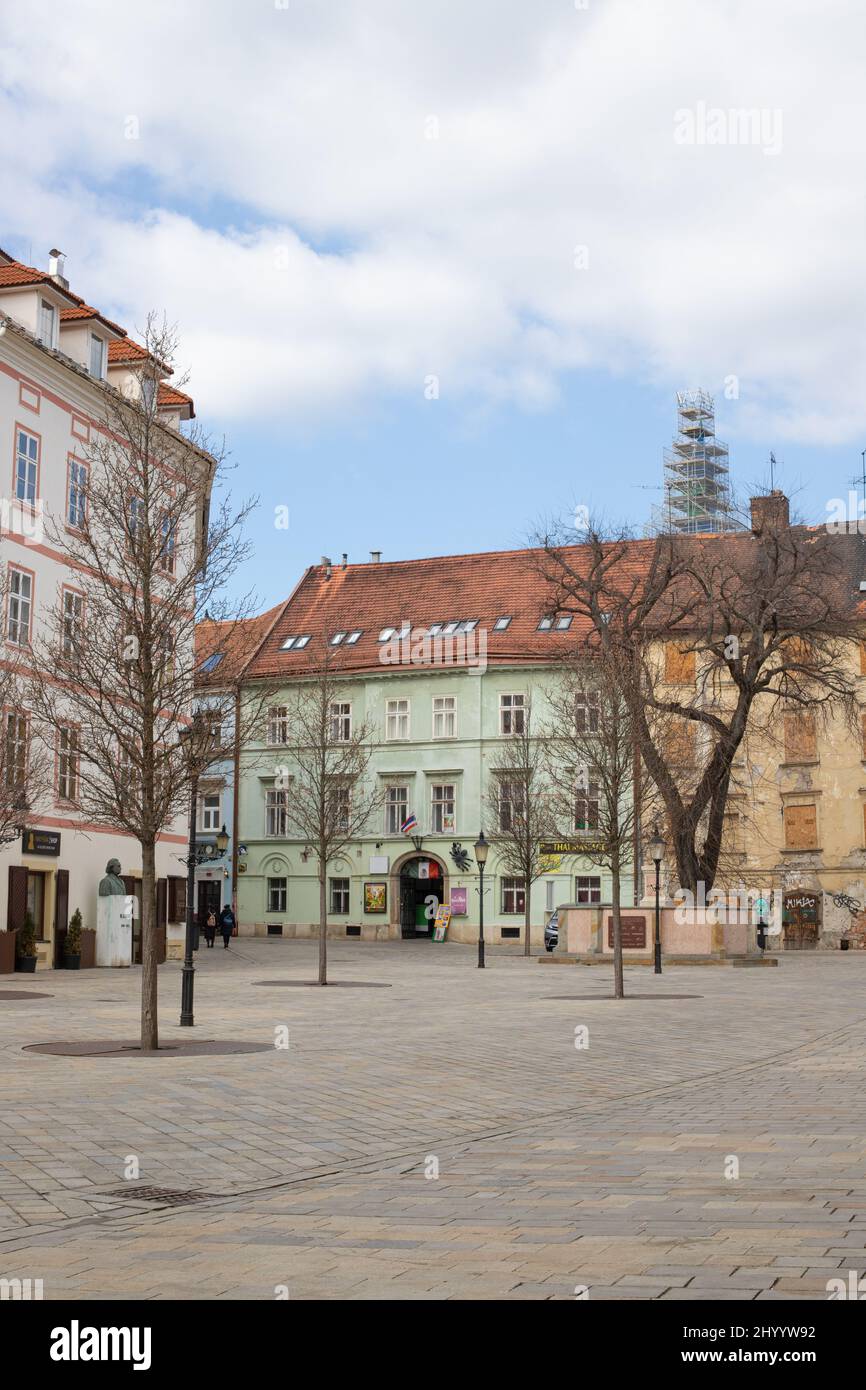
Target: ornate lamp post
x=482 y=849
x=196 y=854
x=656 y=852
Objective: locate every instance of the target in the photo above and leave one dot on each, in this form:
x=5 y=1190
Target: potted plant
x=25 y=946
x=72 y=943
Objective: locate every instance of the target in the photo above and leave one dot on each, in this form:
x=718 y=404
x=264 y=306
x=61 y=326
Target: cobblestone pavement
x=559 y=1166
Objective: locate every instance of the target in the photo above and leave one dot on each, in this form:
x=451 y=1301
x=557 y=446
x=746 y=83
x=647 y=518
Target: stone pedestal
x=114 y=930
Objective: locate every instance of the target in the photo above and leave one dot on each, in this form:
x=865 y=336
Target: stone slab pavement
x=460 y=1134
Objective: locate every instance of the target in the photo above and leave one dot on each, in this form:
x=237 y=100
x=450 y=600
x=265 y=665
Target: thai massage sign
x=554 y=847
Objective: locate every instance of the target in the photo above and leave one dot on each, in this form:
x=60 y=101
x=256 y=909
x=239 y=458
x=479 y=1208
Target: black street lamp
x=482 y=849
x=196 y=854
x=656 y=852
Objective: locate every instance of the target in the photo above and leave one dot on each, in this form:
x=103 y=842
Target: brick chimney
x=771 y=511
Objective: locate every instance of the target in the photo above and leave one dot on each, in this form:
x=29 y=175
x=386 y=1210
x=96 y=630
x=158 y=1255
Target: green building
x=442 y=658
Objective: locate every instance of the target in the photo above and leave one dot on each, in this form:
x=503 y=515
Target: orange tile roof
x=16 y=275
x=129 y=351
x=170 y=396
x=372 y=597
x=235 y=641
x=87 y=311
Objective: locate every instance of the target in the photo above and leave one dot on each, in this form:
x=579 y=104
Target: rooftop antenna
x=862 y=479
x=772 y=471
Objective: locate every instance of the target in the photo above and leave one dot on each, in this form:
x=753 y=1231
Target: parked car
x=551 y=931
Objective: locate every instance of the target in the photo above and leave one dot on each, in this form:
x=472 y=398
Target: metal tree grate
x=168 y=1196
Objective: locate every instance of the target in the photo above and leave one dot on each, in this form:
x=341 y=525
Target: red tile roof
x=234 y=641
x=169 y=396
x=372 y=597
x=14 y=274
x=87 y=311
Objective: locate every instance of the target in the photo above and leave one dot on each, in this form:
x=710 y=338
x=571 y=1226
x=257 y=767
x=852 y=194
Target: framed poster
x=375 y=897
x=442 y=923
x=458 y=902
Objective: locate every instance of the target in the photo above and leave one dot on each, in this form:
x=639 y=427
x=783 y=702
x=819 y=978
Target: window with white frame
x=278 y=891
x=76 y=499
x=513 y=895
x=278 y=724
x=16 y=751
x=136 y=516
x=443 y=819
x=396 y=719
x=26 y=466
x=341 y=721
x=127 y=773
x=340 y=805
x=68 y=765
x=396 y=808
x=511 y=804
x=209 y=817
x=276 y=813
x=339 y=896
x=47 y=323
x=512 y=714
x=587 y=888
x=73 y=613
x=444 y=716
x=586 y=808
x=586 y=711
x=98 y=349
x=19 y=606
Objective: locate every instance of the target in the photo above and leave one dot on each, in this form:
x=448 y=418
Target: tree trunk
x=323 y=930
x=149 y=1023
x=527 y=919
x=618 y=991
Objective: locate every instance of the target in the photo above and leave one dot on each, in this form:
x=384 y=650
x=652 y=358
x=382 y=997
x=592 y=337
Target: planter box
x=25 y=965
x=72 y=962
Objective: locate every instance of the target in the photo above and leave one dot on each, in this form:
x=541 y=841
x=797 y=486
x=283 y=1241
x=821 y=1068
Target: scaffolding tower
x=696 y=484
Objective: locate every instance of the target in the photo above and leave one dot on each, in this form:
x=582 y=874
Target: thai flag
x=409 y=823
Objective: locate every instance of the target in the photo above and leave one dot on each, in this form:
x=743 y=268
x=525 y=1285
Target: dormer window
x=98 y=352
x=47 y=323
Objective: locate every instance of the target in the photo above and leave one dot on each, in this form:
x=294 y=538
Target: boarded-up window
x=800 y=743
x=863 y=733
x=732 y=833
x=801 y=827
x=863 y=658
x=679 y=665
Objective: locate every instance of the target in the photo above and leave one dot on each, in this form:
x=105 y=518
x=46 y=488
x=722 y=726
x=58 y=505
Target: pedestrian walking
x=227 y=925
x=210 y=927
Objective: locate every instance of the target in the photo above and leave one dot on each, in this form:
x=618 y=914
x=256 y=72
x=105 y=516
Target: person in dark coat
x=227 y=924
x=210 y=927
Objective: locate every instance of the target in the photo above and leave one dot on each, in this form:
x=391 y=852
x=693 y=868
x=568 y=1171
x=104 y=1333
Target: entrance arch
x=420 y=885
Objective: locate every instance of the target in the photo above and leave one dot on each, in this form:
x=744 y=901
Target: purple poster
x=458 y=902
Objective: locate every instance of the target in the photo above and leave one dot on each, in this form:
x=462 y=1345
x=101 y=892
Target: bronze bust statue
x=112 y=885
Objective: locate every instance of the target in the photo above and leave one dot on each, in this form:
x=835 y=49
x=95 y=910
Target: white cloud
x=371 y=256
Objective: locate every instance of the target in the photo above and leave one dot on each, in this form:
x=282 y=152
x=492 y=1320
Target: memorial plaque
x=633 y=932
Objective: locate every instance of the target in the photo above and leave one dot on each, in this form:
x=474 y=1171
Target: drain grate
x=168 y=1196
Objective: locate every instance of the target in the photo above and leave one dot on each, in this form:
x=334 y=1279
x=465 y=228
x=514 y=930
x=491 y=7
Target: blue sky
x=563 y=213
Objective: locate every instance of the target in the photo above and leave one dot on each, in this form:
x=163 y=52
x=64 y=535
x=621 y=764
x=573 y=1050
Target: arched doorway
x=421 y=890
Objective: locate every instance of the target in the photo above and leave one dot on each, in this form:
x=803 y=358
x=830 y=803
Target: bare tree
x=519 y=797
x=326 y=799
x=24 y=759
x=592 y=747
x=115 y=678
x=708 y=637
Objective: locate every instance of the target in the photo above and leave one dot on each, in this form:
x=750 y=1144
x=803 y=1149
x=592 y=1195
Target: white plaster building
x=58 y=357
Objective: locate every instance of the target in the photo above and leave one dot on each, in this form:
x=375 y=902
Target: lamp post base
x=657 y=965
x=186 y=996
x=481 y=955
